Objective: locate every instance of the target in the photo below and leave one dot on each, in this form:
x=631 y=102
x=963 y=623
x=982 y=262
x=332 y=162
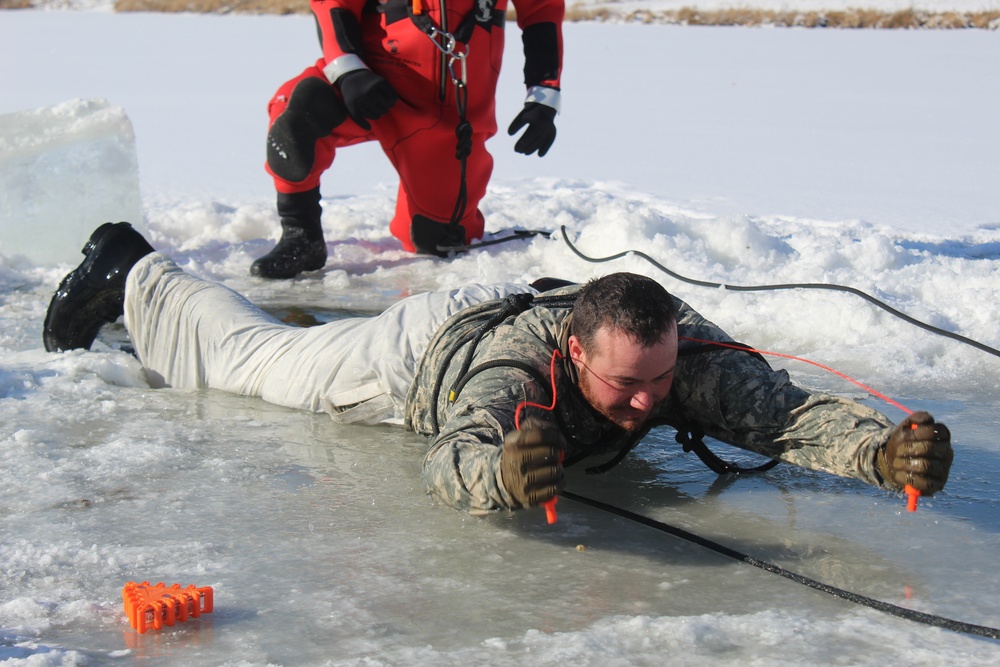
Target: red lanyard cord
x=556 y=354
x=550 y=505
x=912 y=494
x=804 y=360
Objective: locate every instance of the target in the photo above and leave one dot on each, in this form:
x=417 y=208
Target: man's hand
x=367 y=96
x=541 y=132
x=530 y=467
x=918 y=453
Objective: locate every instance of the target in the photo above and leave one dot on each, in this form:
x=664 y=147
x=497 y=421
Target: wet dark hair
x=635 y=305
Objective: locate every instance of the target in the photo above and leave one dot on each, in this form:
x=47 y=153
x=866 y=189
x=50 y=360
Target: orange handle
x=550 y=505
x=912 y=496
x=550 y=510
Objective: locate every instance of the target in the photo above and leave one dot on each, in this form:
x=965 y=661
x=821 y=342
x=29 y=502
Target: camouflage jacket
x=466 y=404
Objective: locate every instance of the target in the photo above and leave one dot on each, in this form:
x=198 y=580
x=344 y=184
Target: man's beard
x=622 y=417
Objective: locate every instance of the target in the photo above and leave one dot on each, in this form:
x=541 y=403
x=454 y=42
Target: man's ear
x=576 y=352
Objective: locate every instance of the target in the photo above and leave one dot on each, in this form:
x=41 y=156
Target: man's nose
x=642 y=400
x=647 y=396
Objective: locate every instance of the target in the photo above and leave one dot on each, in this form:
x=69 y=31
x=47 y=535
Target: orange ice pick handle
x=550 y=510
x=912 y=494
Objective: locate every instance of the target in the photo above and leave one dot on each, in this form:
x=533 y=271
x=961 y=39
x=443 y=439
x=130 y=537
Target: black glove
x=541 y=130
x=918 y=453
x=366 y=95
x=530 y=464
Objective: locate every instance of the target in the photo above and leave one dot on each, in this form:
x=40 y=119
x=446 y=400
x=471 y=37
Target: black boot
x=93 y=294
x=301 y=247
x=431 y=237
x=313 y=111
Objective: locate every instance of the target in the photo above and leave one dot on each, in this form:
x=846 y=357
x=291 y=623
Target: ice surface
x=65 y=167
x=318 y=539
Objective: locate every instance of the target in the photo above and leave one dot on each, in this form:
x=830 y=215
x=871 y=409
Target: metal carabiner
x=451 y=48
x=444 y=41
x=459 y=81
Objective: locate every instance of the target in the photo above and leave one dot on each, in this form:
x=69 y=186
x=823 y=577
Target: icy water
x=322 y=548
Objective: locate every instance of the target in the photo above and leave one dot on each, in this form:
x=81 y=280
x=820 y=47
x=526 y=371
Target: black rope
x=439 y=379
x=453 y=237
x=513 y=304
x=463 y=148
x=759 y=288
x=879 y=605
x=515 y=235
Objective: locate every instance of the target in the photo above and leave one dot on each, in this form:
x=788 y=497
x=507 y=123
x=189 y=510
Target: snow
x=731 y=155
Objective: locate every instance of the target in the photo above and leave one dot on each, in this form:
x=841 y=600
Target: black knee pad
x=315 y=103
x=313 y=111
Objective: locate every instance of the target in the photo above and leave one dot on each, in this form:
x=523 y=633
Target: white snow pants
x=192 y=333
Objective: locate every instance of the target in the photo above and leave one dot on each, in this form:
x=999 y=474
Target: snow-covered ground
x=740 y=156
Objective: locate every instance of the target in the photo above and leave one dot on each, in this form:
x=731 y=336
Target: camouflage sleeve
x=461 y=469
x=737 y=398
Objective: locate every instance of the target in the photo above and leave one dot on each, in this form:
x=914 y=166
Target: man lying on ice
x=510 y=384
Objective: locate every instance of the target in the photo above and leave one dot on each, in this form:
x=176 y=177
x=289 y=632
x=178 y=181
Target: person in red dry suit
x=421 y=80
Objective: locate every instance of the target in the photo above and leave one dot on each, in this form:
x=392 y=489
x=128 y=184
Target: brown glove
x=530 y=466
x=918 y=453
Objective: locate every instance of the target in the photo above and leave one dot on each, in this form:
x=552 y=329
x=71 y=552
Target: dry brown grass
x=908 y=19
x=215 y=6
x=847 y=19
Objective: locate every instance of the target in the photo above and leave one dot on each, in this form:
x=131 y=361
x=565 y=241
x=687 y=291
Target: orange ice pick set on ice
x=156 y=606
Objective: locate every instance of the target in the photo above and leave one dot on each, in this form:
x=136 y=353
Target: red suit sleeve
x=541 y=32
x=339 y=26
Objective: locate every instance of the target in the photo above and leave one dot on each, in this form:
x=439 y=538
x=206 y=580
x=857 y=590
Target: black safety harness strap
x=692 y=438
x=513 y=304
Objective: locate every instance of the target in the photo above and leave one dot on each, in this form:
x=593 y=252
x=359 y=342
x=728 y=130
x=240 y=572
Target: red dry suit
x=418 y=133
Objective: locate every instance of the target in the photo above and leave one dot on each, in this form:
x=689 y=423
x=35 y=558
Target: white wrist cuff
x=338 y=67
x=550 y=97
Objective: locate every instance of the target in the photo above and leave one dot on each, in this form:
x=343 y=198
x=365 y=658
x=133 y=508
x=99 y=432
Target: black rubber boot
x=301 y=247
x=431 y=237
x=313 y=111
x=93 y=294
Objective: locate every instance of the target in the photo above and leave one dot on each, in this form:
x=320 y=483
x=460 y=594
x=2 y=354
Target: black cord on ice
x=514 y=235
x=760 y=288
x=901 y=612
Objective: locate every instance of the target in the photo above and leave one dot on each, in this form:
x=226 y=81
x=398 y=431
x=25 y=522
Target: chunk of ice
x=64 y=170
